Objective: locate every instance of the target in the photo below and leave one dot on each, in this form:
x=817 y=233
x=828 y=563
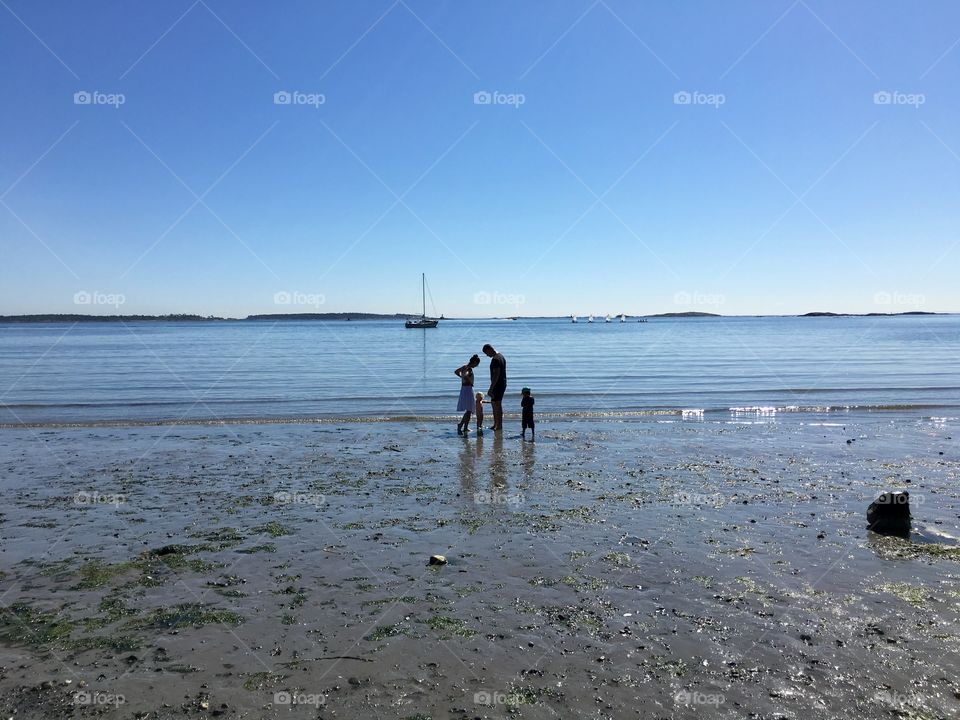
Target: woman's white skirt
x=466 y=401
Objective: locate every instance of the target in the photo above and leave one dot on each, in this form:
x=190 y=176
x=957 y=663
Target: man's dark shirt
x=498 y=361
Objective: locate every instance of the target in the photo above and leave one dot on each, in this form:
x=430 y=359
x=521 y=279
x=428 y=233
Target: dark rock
x=889 y=514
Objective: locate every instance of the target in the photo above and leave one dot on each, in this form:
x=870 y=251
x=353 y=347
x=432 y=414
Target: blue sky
x=785 y=184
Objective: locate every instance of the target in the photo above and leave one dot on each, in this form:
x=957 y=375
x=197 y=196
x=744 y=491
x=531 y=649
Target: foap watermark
x=299 y=698
x=497 y=498
x=285 y=297
x=95 y=297
x=95 y=97
x=698 y=298
x=485 y=97
x=92 y=497
x=906 y=498
x=899 y=299
x=295 y=498
x=687 y=498
x=498 y=298
x=895 y=97
x=86 y=697
x=295 y=97
x=892 y=697
x=695 y=697
x=685 y=97
x=493 y=697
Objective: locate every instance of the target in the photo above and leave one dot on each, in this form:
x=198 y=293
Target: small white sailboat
x=623 y=317
x=590 y=319
x=423 y=321
x=573 y=318
x=607 y=319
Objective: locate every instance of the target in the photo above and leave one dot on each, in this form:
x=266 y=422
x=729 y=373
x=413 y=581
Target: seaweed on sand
x=450 y=626
x=185 y=615
x=21 y=624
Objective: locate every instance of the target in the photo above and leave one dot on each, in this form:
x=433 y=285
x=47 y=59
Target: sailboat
x=590 y=319
x=607 y=319
x=423 y=321
x=573 y=318
x=623 y=318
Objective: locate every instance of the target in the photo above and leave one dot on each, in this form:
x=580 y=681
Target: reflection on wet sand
x=475 y=451
x=468 y=466
x=528 y=459
x=498 y=466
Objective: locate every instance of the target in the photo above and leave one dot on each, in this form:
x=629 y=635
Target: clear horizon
x=599 y=157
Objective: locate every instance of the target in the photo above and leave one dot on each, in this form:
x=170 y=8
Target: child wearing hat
x=526 y=414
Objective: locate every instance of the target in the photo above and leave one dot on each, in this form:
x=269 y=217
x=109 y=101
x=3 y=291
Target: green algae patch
x=619 y=559
x=913 y=594
x=112 y=609
x=116 y=643
x=21 y=624
x=274 y=529
x=263 y=681
x=185 y=615
x=406 y=599
x=96 y=574
x=221 y=539
x=229 y=593
x=450 y=626
x=383 y=632
x=901 y=549
x=266 y=547
x=173 y=557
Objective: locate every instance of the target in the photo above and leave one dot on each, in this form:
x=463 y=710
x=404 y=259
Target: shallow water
x=727 y=367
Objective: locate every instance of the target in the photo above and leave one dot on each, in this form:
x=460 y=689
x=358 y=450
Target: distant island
x=684 y=315
x=873 y=314
x=326 y=316
x=65 y=318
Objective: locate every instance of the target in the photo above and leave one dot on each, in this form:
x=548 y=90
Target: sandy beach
x=654 y=568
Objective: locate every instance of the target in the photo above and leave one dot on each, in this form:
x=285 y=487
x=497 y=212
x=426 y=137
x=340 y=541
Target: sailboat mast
x=423 y=292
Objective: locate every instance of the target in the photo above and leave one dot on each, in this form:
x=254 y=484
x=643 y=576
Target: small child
x=526 y=414
x=479 y=413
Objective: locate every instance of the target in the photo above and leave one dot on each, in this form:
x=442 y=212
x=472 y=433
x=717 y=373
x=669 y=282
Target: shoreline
x=732 y=415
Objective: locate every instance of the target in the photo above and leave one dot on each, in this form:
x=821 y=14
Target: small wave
x=734 y=414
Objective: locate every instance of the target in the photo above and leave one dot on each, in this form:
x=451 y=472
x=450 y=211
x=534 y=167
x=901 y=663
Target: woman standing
x=466 y=402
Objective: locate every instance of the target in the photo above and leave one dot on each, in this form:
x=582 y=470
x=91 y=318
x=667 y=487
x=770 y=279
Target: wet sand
x=652 y=568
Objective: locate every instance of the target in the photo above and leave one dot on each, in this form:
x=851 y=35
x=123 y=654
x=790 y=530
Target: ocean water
x=691 y=368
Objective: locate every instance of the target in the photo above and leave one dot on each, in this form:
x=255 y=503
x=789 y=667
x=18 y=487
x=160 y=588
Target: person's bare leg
x=464 y=425
x=497 y=415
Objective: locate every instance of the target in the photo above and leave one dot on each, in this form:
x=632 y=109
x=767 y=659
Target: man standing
x=498 y=384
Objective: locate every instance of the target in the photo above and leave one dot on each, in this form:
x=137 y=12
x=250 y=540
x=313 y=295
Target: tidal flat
x=658 y=568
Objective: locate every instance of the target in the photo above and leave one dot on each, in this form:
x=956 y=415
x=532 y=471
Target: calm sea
x=89 y=373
